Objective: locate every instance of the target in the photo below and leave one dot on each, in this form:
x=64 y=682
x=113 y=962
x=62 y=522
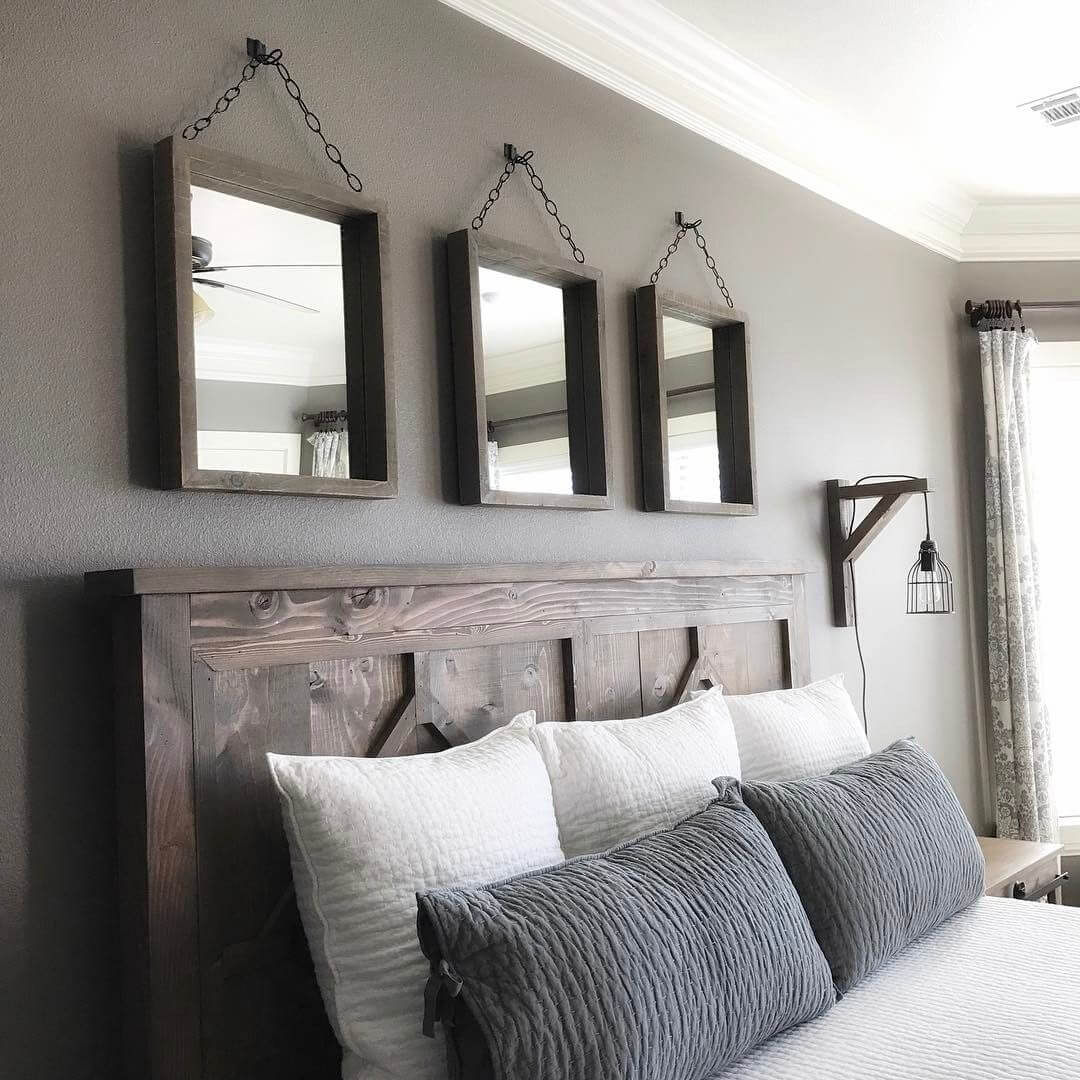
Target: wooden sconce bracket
x=844 y=549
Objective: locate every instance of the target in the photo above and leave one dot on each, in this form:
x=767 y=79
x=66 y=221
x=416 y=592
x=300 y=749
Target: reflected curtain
x=1020 y=731
x=331 y=456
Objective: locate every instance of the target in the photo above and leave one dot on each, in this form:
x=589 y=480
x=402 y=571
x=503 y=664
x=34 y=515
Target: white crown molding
x=525 y=368
x=645 y=52
x=684 y=338
x=227 y=360
x=1034 y=229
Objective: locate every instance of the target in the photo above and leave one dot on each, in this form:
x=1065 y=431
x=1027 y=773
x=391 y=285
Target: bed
x=215 y=667
x=991 y=994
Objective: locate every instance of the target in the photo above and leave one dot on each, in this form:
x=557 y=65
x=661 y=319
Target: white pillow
x=789 y=734
x=613 y=780
x=366 y=835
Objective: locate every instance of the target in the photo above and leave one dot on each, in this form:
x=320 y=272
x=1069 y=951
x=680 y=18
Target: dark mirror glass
x=269 y=334
x=525 y=384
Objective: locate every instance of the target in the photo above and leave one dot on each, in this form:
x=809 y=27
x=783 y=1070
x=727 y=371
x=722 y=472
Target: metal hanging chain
x=710 y=262
x=259 y=57
x=513 y=160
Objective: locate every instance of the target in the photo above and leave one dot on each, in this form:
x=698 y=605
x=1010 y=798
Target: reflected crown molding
x=285 y=365
x=524 y=368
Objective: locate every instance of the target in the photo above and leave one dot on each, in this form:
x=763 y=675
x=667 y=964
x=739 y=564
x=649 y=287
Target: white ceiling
x=903 y=112
x=522 y=329
x=251 y=340
x=942 y=78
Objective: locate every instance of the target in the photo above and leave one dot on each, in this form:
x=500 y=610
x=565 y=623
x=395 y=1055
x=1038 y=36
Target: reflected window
x=522 y=325
x=690 y=388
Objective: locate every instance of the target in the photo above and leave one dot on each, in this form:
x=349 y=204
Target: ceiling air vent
x=1057 y=109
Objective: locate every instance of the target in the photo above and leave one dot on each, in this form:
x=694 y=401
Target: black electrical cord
x=858 y=646
x=851 y=569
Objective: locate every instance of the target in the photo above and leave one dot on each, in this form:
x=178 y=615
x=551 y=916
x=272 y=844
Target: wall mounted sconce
x=929 y=581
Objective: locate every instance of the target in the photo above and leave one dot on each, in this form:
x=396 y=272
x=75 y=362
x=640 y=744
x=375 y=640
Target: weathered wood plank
x=242 y=854
x=612 y=677
x=158 y=870
x=256 y=971
x=398 y=735
x=467 y=693
x=383 y=643
x=349 y=616
x=669 y=620
x=663 y=657
x=749 y=657
x=350 y=701
x=798 y=635
x=218 y=579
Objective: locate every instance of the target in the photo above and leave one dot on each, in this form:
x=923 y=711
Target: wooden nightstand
x=1022 y=869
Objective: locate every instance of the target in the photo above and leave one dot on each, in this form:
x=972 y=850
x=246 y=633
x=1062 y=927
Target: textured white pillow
x=366 y=835
x=613 y=780
x=789 y=734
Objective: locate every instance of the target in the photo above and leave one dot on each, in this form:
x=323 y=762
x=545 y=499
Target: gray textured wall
x=856 y=370
x=251 y=406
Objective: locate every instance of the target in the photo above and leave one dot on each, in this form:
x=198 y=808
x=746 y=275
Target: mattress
x=991 y=994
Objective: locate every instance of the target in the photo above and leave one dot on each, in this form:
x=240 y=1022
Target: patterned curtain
x=331 y=457
x=1020 y=736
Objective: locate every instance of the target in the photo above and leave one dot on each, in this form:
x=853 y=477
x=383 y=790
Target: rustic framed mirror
x=697 y=431
x=528 y=349
x=275 y=368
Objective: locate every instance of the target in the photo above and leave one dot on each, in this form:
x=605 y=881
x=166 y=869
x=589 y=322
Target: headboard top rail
x=162 y=580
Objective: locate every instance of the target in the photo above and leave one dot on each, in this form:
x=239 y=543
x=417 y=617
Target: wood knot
x=649 y=568
x=366 y=664
x=264 y=604
x=364 y=598
x=512 y=594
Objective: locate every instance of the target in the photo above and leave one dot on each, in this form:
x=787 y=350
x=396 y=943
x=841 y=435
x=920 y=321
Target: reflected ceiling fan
x=202 y=259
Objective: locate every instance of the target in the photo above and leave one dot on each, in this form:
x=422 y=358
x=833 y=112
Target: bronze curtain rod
x=1005 y=309
x=327 y=416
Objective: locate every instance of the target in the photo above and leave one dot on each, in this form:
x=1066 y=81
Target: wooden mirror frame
x=735 y=425
x=368 y=364
x=586 y=414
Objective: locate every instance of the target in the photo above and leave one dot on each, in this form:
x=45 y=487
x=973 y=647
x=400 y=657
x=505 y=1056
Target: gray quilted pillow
x=880 y=851
x=667 y=957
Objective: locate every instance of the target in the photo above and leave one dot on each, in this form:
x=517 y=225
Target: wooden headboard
x=213 y=668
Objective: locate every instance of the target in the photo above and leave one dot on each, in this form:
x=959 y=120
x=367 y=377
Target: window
x=250 y=451
x=693 y=458
x=538 y=466
x=1055 y=407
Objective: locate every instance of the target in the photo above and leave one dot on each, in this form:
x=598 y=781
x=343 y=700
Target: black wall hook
x=680 y=220
x=256 y=49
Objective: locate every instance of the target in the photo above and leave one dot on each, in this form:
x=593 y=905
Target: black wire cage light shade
x=929 y=581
